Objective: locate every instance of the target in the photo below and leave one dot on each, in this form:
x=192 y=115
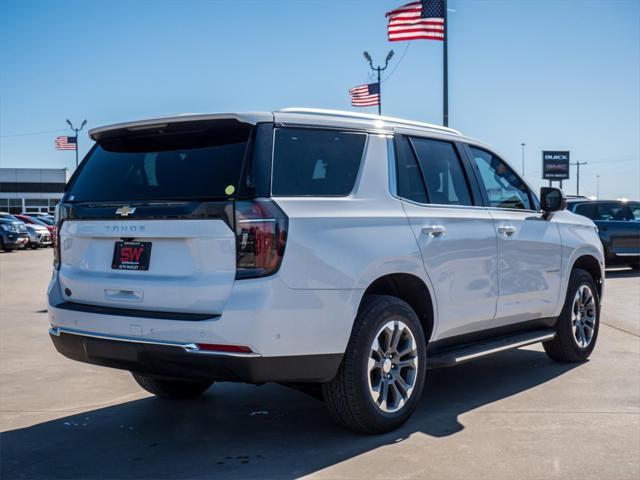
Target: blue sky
x=553 y=74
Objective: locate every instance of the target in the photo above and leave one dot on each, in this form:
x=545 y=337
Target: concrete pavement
x=515 y=415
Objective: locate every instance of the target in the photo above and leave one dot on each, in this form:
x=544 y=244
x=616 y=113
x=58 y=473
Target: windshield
x=10 y=218
x=43 y=220
x=196 y=164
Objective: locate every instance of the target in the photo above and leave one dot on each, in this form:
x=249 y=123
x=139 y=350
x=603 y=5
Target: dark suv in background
x=618 y=224
x=13 y=234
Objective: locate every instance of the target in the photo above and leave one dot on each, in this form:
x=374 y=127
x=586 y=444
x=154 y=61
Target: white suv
x=339 y=253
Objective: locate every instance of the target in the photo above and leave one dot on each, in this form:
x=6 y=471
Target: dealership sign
x=555 y=165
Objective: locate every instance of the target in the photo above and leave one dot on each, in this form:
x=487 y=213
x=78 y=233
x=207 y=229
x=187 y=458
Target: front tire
x=171 y=388
x=382 y=374
x=579 y=322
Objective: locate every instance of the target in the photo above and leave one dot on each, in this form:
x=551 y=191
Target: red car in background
x=39 y=221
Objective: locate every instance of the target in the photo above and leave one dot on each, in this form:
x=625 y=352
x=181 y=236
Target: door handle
x=434 y=230
x=507 y=230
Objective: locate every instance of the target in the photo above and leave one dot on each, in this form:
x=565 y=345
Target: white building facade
x=31 y=189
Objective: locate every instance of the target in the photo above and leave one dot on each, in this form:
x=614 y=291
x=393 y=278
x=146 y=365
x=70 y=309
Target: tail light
x=261 y=236
x=61 y=213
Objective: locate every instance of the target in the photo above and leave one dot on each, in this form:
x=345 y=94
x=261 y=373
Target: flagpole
x=76 y=148
x=445 y=72
x=380 y=92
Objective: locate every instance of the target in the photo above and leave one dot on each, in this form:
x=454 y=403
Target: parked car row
x=26 y=231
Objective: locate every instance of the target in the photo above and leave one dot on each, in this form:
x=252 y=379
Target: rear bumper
x=262 y=314
x=182 y=361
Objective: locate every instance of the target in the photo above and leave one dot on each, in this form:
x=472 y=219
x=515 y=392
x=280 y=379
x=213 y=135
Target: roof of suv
x=301 y=115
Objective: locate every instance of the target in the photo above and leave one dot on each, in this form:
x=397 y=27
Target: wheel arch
x=410 y=288
x=592 y=266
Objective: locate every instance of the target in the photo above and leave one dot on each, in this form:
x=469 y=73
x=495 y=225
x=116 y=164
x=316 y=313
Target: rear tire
x=380 y=379
x=171 y=388
x=578 y=324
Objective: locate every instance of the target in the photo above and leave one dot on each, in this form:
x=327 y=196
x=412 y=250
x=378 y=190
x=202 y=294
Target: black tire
x=347 y=396
x=634 y=266
x=4 y=247
x=564 y=347
x=170 y=387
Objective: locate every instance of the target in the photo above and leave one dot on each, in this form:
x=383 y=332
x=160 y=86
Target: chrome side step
x=471 y=351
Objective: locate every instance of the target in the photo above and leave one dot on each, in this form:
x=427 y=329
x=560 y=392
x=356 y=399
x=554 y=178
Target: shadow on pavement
x=244 y=431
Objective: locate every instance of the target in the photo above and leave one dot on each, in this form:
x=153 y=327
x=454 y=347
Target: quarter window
x=504 y=188
x=315 y=162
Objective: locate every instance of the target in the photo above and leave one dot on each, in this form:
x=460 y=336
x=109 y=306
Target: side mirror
x=552 y=199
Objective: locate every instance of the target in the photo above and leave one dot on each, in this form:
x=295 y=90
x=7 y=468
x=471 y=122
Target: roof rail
x=367 y=116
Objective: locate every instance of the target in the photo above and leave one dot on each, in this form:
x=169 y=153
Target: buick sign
x=555 y=165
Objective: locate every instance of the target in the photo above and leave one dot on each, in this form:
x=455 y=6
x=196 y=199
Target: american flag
x=66 y=143
x=365 y=95
x=423 y=20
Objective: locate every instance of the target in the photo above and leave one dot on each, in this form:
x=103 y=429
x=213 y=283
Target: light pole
x=577 y=164
x=523 y=144
x=379 y=69
x=84 y=122
x=598 y=186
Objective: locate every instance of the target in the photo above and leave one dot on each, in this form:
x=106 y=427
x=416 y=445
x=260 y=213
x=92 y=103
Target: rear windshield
x=165 y=164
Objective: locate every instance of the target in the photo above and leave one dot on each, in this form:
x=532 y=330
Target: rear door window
x=442 y=172
x=613 y=211
x=312 y=162
x=410 y=182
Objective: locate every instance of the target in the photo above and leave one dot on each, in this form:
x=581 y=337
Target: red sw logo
x=130 y=254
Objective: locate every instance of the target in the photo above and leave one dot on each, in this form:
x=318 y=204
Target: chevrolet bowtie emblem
x=126 y=210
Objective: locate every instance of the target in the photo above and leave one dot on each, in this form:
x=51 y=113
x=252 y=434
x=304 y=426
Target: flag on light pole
x=365 y=95
x=66 y=143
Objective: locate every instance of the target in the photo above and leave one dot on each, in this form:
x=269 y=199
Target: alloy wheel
x=393 y=366
x=583 y=316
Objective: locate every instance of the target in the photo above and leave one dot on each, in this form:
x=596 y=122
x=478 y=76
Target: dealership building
x=31 y=189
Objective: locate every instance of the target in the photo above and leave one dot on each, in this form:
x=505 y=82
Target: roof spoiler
x=162 y=122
